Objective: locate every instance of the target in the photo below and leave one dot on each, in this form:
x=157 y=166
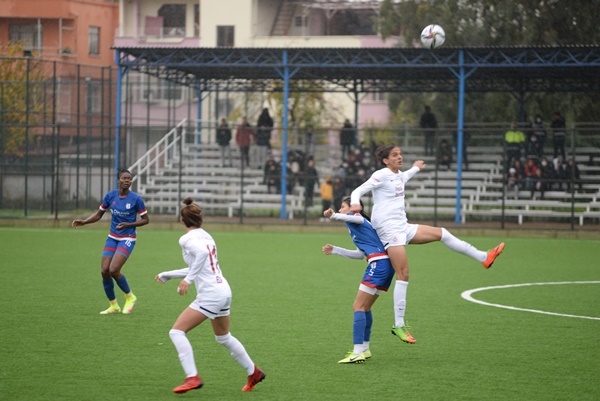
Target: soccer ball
x=433 y=36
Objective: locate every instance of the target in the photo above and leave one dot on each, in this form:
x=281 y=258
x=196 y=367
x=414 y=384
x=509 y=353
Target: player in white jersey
x=389 y=220
x=212 y=301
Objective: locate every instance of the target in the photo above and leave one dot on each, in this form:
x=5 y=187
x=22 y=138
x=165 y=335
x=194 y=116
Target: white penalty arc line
x=468 y=296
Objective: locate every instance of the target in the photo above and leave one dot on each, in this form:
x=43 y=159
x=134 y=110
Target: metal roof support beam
x=121 y=72
x=286 y=75
x=462 y=77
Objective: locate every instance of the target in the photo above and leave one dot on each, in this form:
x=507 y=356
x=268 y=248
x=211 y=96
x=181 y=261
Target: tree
x=19 y=99
x=306 y=108
x=498 y=23
x=471 y=23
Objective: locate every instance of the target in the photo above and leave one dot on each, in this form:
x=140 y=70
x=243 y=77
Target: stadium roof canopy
x=359 y=70
x=497 y=69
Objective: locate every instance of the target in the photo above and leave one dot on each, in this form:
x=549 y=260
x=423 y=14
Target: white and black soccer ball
x=433 y=36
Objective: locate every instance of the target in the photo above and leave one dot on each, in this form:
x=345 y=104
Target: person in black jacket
x=347 y=139
x=429 y=124
x=559 y=135
x=264 y=126
x=223 y=139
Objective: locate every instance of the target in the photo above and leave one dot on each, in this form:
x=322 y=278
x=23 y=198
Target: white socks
x=399 y=302
x=461 y=246
x=185 y=351
x=237 y=351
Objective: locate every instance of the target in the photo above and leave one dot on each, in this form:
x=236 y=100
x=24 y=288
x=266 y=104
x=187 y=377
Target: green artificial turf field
x=292 y=310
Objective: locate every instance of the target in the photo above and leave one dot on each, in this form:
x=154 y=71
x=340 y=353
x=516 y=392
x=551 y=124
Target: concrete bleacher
x=221 y=190
x=218 y=190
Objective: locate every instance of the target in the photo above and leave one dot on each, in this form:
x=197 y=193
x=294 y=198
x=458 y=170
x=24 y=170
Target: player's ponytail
x=362 y=207
x=191 y=214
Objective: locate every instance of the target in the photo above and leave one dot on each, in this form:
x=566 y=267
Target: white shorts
x=397 y=236
x=411 y=231
x=369 y=290
x=212 y=308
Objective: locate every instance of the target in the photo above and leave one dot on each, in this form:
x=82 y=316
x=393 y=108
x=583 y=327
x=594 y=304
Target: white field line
x=468 y=296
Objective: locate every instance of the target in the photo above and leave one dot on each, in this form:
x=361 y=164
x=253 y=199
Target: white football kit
x=388 y=216
x=200 y=254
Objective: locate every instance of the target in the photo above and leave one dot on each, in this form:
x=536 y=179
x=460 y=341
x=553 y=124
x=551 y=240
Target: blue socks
x=360 y=323
x=369 y=319
x=109 y=289
x=123 y=285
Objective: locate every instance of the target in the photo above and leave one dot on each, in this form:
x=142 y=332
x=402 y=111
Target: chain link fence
x=59 y=141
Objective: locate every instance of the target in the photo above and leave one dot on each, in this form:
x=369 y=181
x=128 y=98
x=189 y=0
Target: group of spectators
x=531 y=145
x=245 y=137
x=543 y=176
x=538 y=173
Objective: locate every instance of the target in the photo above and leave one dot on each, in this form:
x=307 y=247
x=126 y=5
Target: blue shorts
x=379 y=274
x=112 y=246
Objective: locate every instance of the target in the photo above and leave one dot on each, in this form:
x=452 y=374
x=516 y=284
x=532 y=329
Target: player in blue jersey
x=377 y=278
x=124 y=206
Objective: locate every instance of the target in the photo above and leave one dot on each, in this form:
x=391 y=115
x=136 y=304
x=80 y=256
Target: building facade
x=78 y=31
x=244 y=23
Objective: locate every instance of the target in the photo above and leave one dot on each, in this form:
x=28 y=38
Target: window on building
x=30 y=35
x=64 y=90
x=157 y=90
x=379 y=97
x=226 y=106
x=173 y=16
x=93 y=97
x=94 y=40
x=225 y=36
x=300 y=21
x=196 y=20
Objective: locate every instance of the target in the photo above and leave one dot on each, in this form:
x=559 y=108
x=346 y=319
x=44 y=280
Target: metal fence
x=60 y=149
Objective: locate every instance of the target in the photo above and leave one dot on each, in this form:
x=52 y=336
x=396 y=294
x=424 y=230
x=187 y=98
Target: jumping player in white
x=124 y=206
x=377 y=278
x=212 y=302
x=390 y=221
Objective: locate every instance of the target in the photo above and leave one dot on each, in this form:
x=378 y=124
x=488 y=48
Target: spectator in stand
x=355 y=165
x=347 y=139
x=539 y=184
x=223 y=139
x=560 y=173
x=295 y=169
x=264 y=126
x=272 y=176
x=572 y=175
x=548 y=174
x=445 y=154
x=515 y=140
x=518 y=166
x=540 y=133
x=559 y=135
x=530 y=173
x=532 y=149
x=428 y=124
x=244 y=137
x=311 y=178
x=339 y=189
x=326 y=195
x=513 y=183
